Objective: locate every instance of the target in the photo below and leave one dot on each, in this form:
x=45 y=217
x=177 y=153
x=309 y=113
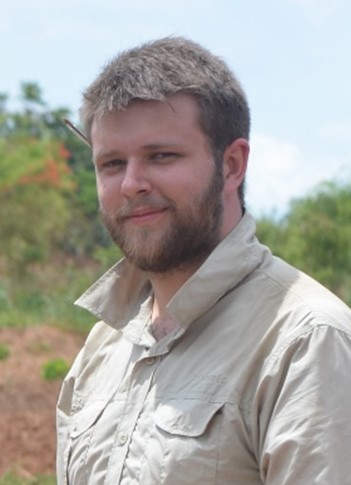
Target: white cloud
x=279 y=172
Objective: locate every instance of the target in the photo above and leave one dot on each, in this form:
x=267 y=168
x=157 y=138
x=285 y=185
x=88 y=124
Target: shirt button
x=150 y=360
x=122 y=438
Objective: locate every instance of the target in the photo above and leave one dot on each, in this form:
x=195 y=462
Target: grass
x=11 y=478
x=46 y=295
x=4 y=351
x=55 y=369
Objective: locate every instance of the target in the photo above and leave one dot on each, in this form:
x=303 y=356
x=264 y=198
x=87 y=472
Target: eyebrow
x=148 y=147
x=162 y=146
x=107 y=155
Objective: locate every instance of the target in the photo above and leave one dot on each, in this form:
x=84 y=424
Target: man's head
x=157 y=70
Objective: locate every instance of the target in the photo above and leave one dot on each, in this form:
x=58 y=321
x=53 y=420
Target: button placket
x=134 y=403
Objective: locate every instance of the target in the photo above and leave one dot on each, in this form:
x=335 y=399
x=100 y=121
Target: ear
x=235 y=159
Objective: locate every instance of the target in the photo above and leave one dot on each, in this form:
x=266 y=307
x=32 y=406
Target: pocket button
x=122 y=438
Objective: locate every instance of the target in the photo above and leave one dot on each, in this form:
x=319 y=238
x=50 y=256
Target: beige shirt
x=253 y=387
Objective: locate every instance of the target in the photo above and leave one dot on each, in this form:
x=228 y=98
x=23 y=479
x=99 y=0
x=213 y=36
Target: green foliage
x=48 y=199
x=4 y=299
x=86 y=192
x=34 y=209
x=4 y=351
x=55 y=369
x=27 y=161
x=107 y=257
x=31 y=93
x=315 y=236
x=45 y=295
x=37 y=122
x=11 y=478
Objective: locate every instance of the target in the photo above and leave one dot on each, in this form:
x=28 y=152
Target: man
x=214 y=362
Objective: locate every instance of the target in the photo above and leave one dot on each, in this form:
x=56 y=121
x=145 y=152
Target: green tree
x=34 y=208
x=35 y=120
x=315 y=236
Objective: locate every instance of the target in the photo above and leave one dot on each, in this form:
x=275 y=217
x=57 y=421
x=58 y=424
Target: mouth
x=145 y=215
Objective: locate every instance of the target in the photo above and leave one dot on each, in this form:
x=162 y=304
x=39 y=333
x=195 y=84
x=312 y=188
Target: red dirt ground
x=27 y=401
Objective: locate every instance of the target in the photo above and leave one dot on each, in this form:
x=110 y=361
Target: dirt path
x=27 y=401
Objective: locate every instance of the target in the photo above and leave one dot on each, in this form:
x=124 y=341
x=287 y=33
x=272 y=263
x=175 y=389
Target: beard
x=191 y=235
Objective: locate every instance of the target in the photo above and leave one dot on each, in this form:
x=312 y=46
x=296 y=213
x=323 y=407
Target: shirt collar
x=117 y=296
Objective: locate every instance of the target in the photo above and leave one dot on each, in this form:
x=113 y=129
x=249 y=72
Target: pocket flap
x=186 y=417
x=86 y=417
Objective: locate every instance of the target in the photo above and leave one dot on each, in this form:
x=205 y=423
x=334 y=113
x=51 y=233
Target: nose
x=135 y=180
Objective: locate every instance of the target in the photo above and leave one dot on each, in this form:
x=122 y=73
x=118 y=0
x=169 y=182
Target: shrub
x=4 y=351
x=55 y=369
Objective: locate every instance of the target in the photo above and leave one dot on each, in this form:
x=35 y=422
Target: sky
x=292 y=58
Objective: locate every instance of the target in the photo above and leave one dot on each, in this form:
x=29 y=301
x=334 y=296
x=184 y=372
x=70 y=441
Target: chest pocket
x=81 y=431
x=189 y=417
x=85 y=418
x=187 y=433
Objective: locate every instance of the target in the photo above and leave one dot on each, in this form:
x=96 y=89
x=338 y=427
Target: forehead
x=181 y=107
x=176 y=118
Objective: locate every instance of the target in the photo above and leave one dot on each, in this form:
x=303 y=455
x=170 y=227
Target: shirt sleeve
x=303 y=410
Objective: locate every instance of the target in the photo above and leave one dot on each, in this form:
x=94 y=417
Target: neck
x=165 y=286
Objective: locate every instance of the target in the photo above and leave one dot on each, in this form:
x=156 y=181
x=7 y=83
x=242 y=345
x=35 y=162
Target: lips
x=145 y=214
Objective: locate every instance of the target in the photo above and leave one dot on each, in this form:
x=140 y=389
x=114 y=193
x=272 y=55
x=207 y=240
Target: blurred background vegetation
x=53 y=244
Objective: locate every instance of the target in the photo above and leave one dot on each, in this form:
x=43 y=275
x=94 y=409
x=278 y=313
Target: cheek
x=108 y=194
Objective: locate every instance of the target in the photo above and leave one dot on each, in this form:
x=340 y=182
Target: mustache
x=151 y=202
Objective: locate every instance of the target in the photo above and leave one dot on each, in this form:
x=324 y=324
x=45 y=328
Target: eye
x=163 y=156
x=111 y=164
